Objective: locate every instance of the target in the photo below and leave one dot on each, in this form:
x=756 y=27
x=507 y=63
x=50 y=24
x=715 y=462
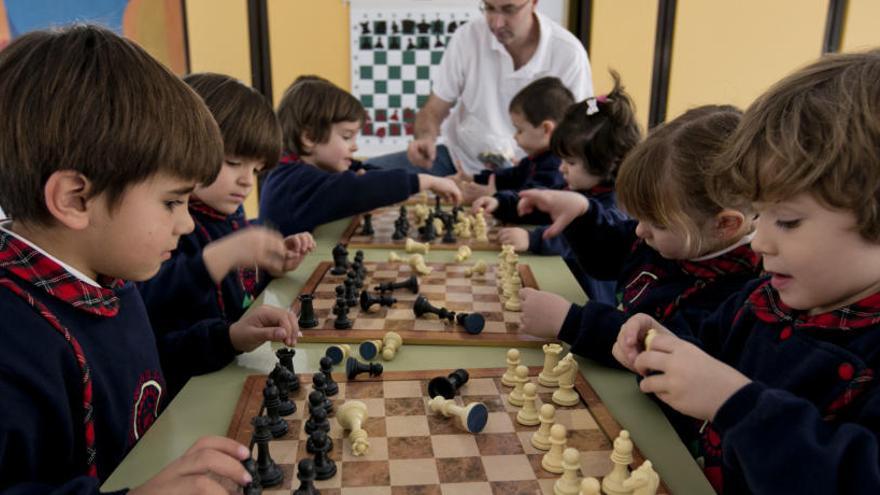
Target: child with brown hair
x=215 y=270
x=100 y=147
x=786 y=369
x=678 y=260
x=314 y=184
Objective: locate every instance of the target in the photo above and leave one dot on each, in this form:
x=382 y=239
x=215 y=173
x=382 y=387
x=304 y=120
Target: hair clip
x=592 y=106
x=603 y=99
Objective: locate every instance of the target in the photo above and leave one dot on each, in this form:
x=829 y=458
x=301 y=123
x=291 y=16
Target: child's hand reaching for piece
x=261 y=324
x=542 y=312
x=562 y=206
x=471 y=190
x=298 y=247
x=516 y=236
x=247 y=248
x=445 y=188
x=487 y=203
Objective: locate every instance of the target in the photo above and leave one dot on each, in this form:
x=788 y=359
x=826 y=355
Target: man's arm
x=423 y=149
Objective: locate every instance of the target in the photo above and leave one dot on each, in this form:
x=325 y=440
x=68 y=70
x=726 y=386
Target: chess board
x=383 y=225
x=414 y=451
x=446 y=287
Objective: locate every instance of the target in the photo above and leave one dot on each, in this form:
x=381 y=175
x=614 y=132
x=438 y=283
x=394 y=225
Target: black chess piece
x=379 y=45
x=305 y=473
x=254 y=487
x=368 y=225
x=318 y=418
x=270 y=473
x=449 y=235
x=421 y=306
x=350 y=291
x=331 y=388
x=312 y=447
x=367 y=301
x=429 y=233
x=342 y=322
x=319 y=384
x=325 y=467
x=447 y=386
x=473 y=323
x=365 y=27
x=438 y=208
x=439 y=43
x=424 y=42
x=307 y=311
x=380 y=27
x=398 y=231
x=450 y=28
x=285 y=357
x=423 y=26
x=412 y=283
x=409 y=26
x=340 y=260
x=277 y=425
x=353 y=368
x=409 y=44
x=282 y=378
x=356 y=278
x=437 y=26
x=395 y=28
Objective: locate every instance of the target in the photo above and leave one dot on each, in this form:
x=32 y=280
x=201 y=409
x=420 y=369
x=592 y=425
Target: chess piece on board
x=509 y=376
x=367 y=301
x=528 y=415
x=391 y=343
x=325 y=467
x=340 y=309
x=541 y=438
x=516 y=396
x=513 y=303
x=464 y=252
x=417 y=247
x=472 y=417
x=447 y=386
x=473 y=323
x=271 y=402
x=305 y=473
x=270 y=473
x=282 y=378
x=285 y=357
x=351 y=416
x=569 y=483
x=353 y=368
x=643 y=480
x=590 y=486
x=331 y=388
x=319 y=384
x=552 y=460
x=566 y=373
x=411 y=284
x=340 y=260
x=621 y=457
x=367 y=228
x=421 y=307
x=307 y=311
x=254 y=487
x=551 y=359
x=479 y=268
x=338 y=352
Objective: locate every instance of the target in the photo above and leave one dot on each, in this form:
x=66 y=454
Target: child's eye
x=171 y=205
x=788 y=224
x=232 y=163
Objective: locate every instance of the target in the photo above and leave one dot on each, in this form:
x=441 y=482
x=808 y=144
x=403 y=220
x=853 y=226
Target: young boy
x=535 y=112
x=786 y=370
x=314 y=184
x=213 y=272
x=100 y=146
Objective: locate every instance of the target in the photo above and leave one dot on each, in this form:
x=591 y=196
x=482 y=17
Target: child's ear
x=729 y=223
x=307 y=142
x=547 y=127
x=67 y=194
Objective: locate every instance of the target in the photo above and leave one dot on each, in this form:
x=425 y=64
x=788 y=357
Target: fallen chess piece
x=472 y=417
x=338 y=353
x=478 y=268
x=369 y=349
x=473 y=323
x=351 y=416
x=394 y=257
x=367 y=301
x=417 y=247
x=391 y=343
x=464 y=252
x=447 y=386
x=422 y=306
x=417 y=263
x=353 y=368
x=412 y=283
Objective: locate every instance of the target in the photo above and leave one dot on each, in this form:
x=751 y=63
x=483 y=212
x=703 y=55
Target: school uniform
x=538 y=171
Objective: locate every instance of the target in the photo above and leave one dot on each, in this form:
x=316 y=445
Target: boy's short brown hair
x=310 y=106
x=247 y=122
x=543 y=99
x=817 y=131
x=84 y=99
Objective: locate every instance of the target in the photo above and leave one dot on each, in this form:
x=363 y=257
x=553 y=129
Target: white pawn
x=551 y=359
x=416 y=247
x=391 y=342
x=509 y=377
x=541 y=438
x=552 y=460
x=589 y=486
x=565 y=372
x=394 y=257
x=621 y=456
x=643 y=481
x=351 y=416
x=478 y=268
x=513 y=303
x=528 y=415
x=569 y=484
x=464 y=252
x=439 y=228
x=516 y=397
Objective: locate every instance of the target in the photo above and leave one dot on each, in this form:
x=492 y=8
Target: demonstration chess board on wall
x=446 y=286
x=412 y=450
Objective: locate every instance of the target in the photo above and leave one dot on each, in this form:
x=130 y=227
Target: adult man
x=486 y=63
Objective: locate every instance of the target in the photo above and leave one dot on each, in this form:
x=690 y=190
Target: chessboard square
x=488 y=307
x=458 y=282
x=512 y=317
x=399 y=314
x=455 y=445
x=380 y=73
x=367 y=490
x=383 y=275
x=499 y=422
x=516 y=487
x=393 y=72
x=429 y=325
x=492 y=402
x=399 y=325
x=398 y=389
x=368 y=473
x=406 y=426
x=410 y=448
x=479 y=386
x=475 y=488
x=323 y=304
x=508 y=467
x=495 y=327
x=547 y=486
x=432 y=289
x=588 y=440
x=485 y=289
x=460 y=469
x=423 y=87
x=381 y=101
x=363 y=390
x=413 y=472
x=380 y=57
x=404 y=406
x=525 y=440
x=576 y=419
x=369 y=323
x=538 y=469
x=499 y=444
x=380 y=87
x=458 y=297
x=409 y=86
x=283 y=451
x=416 y=490
x=423 y=58
x=375 y=427
x=395 y=87
x=408 y=73
x=366 y=72
x=421 y=99
x=375 y=407
x=409 y=57
x=436 y=57
x=596 y=463
x=378 y=451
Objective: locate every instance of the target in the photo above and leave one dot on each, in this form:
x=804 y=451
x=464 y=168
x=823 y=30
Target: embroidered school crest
x=147 y=398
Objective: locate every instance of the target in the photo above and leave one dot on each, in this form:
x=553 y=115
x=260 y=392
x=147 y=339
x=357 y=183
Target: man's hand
x=422 y=152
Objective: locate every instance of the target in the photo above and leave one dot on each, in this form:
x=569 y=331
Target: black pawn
x=447 y=386
x=319 y=384
x=473 y=323
x=307 y=311
x=317 y=420
x=282 y=377
x=356 y=277
x=341 y=311
x=277 y=425
x=353 y=368
x=325 y=467
x=312 y=445
x=409 y=44
x=438 y=209
x=331 y=388
x=340 y=260
x=398 y=231
x=429 y=233
x=285 y=357
x=421 y=306
x=350 y=292
x=449 y=235
x=379 y=44
x=270 y=473
x=412 y=283
x=367 y=301
x=305 y=473
x=394 y=44
x=367 y=228
x=254 y=487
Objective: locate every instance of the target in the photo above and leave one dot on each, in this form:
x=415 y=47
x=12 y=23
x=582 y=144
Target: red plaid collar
x=739 y=260
x=600 y=189
x=198 y=206
x=768 y=307
x=30 y=265
x=288 y=158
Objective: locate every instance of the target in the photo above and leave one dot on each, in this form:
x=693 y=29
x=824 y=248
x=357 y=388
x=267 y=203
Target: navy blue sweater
x=539 y=171
x=809 y=421
x=676 y=293
x=297 y=197
x=602 y=291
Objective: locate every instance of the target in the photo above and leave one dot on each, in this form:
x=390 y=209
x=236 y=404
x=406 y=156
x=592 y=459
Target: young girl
x=678 y=261
x=592 y=139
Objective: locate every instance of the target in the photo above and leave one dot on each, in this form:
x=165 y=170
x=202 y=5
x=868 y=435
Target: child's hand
x=460 y=175
x=542 y=312
x=487 y=203
x=515 y=236
x=265 y=323
x=247 y=248
x=471 y=190
x=562 y=206
x=298 y=247
x=197 y=470
x=443 y=187
x=631 y=338
x=687 y=378
x=422 y=152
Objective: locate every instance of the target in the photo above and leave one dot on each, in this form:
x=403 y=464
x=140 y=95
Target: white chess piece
x=565 y=372
x=351 y=416
x=417 y=263
x=513 y=303
x=551 y=359
x=541 y=438
x=552 y=460
x=471 y=418
x=464 y=252
x=590 y=486
x=528 y=415
x=478 y=268
x=643 y=480
x=569 y=483
x=417 y=247
x=516 y=395
x=439 y=228
x=394 y=257
x=391 y=343
x=621 y=456
x=649 y=338
x=509 y=376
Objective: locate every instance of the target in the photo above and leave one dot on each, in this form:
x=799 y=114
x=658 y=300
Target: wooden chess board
x=383 y=226
x=414 y=451
x=446 y=287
